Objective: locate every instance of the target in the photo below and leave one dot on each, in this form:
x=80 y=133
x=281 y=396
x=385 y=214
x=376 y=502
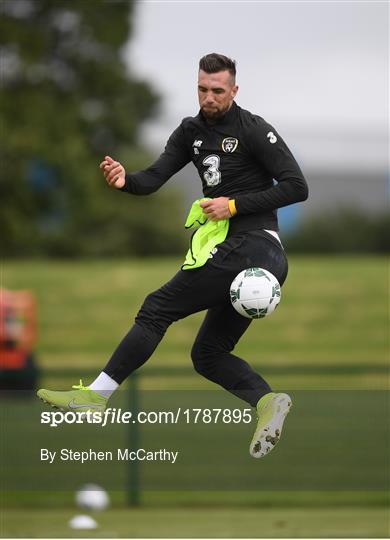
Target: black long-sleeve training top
x=238 y=157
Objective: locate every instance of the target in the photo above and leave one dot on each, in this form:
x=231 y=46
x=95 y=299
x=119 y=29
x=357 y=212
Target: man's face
x=216 y=92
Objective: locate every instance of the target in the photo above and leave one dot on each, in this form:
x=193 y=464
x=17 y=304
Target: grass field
x=332 y=316
x=211 y=523
x=327 y=344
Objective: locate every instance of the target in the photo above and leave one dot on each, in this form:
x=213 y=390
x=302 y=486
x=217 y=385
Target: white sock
x=104 y=385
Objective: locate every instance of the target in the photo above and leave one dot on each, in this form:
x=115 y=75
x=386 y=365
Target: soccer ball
x=255 y=293
x=92 y=497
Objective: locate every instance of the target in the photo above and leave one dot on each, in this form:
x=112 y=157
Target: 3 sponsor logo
x=272 y=137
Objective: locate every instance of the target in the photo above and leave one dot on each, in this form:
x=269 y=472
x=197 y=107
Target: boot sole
x=267 y=437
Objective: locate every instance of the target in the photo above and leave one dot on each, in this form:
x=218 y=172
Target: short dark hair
x=214 y=63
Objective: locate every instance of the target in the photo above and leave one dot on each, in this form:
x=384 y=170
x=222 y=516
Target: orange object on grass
x=18 y=327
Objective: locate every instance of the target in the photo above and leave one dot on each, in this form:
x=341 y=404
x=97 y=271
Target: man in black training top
x=238 y=155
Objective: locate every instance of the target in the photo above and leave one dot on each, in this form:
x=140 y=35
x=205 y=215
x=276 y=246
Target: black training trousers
x=190 y=291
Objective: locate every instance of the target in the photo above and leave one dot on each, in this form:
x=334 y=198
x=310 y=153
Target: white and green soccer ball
x=255 y=293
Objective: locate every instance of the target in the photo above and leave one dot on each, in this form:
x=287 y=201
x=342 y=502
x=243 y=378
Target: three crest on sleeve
x=229 y=144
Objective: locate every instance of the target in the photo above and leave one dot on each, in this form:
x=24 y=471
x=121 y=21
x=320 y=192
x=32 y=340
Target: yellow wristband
x=232 y=207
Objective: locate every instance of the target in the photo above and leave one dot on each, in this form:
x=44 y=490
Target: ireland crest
x=229 y=144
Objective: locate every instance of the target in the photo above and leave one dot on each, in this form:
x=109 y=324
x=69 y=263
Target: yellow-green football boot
x=82 y=398
x=272 y=409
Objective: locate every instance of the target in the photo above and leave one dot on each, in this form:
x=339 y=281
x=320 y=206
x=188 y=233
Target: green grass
x=212 y=523
x=328 y=336
x=259 y=498
x=333 y=315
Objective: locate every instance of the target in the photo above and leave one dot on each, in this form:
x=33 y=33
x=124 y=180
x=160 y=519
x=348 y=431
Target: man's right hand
x=114 y=172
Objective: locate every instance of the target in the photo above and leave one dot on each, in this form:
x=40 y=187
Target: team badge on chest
x=229 y=144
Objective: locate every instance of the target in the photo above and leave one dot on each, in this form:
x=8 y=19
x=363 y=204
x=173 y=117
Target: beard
x=214 y=114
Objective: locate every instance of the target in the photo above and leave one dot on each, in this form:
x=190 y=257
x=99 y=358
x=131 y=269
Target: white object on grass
x=92 y=497
x=82 y=522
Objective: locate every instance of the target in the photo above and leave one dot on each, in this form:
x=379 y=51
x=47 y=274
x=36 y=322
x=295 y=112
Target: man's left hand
x=216 y=209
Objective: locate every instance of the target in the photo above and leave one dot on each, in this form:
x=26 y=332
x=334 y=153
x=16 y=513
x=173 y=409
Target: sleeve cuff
x=126 y=186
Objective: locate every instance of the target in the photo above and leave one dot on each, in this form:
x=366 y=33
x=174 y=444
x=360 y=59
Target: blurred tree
x=66 y=101
x=343 y=230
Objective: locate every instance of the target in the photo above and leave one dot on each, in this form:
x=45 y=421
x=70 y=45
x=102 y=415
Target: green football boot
x=80 y=399
x=272 y=409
